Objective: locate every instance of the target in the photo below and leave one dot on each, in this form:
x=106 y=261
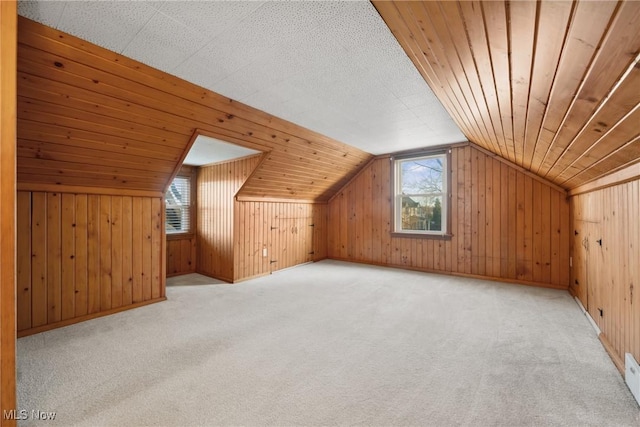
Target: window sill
x=180 y=236
x=422 y=236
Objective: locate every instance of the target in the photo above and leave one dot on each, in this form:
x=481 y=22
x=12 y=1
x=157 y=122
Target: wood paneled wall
x=606 y=264
x=217 y=186
x=181 y=248
x=291 y=233
x=181 y=255
x=551 y=86
x=232 y=234
x=8 y=37
x=84 y=255
x=90 y=117
x=506 y=224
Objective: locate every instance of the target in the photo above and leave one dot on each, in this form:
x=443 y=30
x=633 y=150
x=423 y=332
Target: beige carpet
x=331 y=343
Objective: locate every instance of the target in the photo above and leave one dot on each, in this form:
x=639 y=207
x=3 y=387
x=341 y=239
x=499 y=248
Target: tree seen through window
x=420 y=194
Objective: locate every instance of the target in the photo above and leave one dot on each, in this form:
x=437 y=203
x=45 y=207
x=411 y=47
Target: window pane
x=178 y=203
x=422 y=213
x=421 y=176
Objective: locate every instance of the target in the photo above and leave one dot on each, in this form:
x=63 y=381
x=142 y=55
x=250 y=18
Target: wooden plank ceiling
x=88 y=117
x=552 y=86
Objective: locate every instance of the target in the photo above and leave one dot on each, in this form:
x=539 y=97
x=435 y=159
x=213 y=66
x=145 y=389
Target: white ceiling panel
x=209 y=18
x=47 y=13
x=164 y=43
x=206 y=150
x=331 y=66
x=112 y=25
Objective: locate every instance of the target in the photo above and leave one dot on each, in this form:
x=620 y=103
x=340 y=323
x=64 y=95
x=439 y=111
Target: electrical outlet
x=264 y=252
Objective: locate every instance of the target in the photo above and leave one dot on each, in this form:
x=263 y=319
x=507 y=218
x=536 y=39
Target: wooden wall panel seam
x=527 y=248
x=83 y=254
x=605 y=262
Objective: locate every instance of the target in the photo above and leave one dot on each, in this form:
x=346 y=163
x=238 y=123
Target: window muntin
x=178 y=206
x=420 y=200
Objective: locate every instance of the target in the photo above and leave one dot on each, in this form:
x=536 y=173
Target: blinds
x=178 y=206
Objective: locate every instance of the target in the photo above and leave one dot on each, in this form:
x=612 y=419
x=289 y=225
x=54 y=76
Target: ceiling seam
x=526 y=163
x=559 y=63
x=495 y=85
x=587 y=72
x=600 y=106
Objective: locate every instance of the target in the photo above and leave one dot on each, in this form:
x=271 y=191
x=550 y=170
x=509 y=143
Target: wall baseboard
x=449 y=273
x=615 y=358
x=181 y=273
x=61 y=324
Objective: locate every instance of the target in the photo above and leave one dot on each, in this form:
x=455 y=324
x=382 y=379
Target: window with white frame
x=178 y=206
x=421 y=198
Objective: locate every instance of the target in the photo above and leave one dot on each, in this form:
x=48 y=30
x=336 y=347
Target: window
x=421 y=198
x=178 y=206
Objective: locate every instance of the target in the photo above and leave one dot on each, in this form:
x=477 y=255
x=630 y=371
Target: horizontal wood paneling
x=8 y=23
x=291 y=233
x=605 y=276
x=505 y=224
x=551 y=86
x=90 y=117
x=82 y=255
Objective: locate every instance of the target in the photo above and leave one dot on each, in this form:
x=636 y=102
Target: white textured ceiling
x=330 y=66
x=206 y=150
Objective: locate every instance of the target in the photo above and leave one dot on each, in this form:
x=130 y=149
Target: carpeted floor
x=331 y=343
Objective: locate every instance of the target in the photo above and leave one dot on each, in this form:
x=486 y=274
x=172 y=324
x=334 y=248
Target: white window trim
x=397 y=194
x=185 y=210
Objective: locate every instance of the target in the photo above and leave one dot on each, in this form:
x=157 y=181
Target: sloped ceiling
x=330 y=66
x=88 y=117
x=553 y=86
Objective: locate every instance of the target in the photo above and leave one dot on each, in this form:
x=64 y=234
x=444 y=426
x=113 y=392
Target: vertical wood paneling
x=105 y=253
x=38 y=259
x=232 y=235
x=181 y=248
x=136 y=245
x=116 y=251
x=8 y=40
x=505 y=224
x=76 y=256
x=157 y=227
x=80 y=260
x=146 y=249
x=68 y=297
x=93 y=253
x=23 y=268
x=217 y=186
x=127 y=250
x=181 y=256
x=607 y=275
x=293 y=233
x=54 y=259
